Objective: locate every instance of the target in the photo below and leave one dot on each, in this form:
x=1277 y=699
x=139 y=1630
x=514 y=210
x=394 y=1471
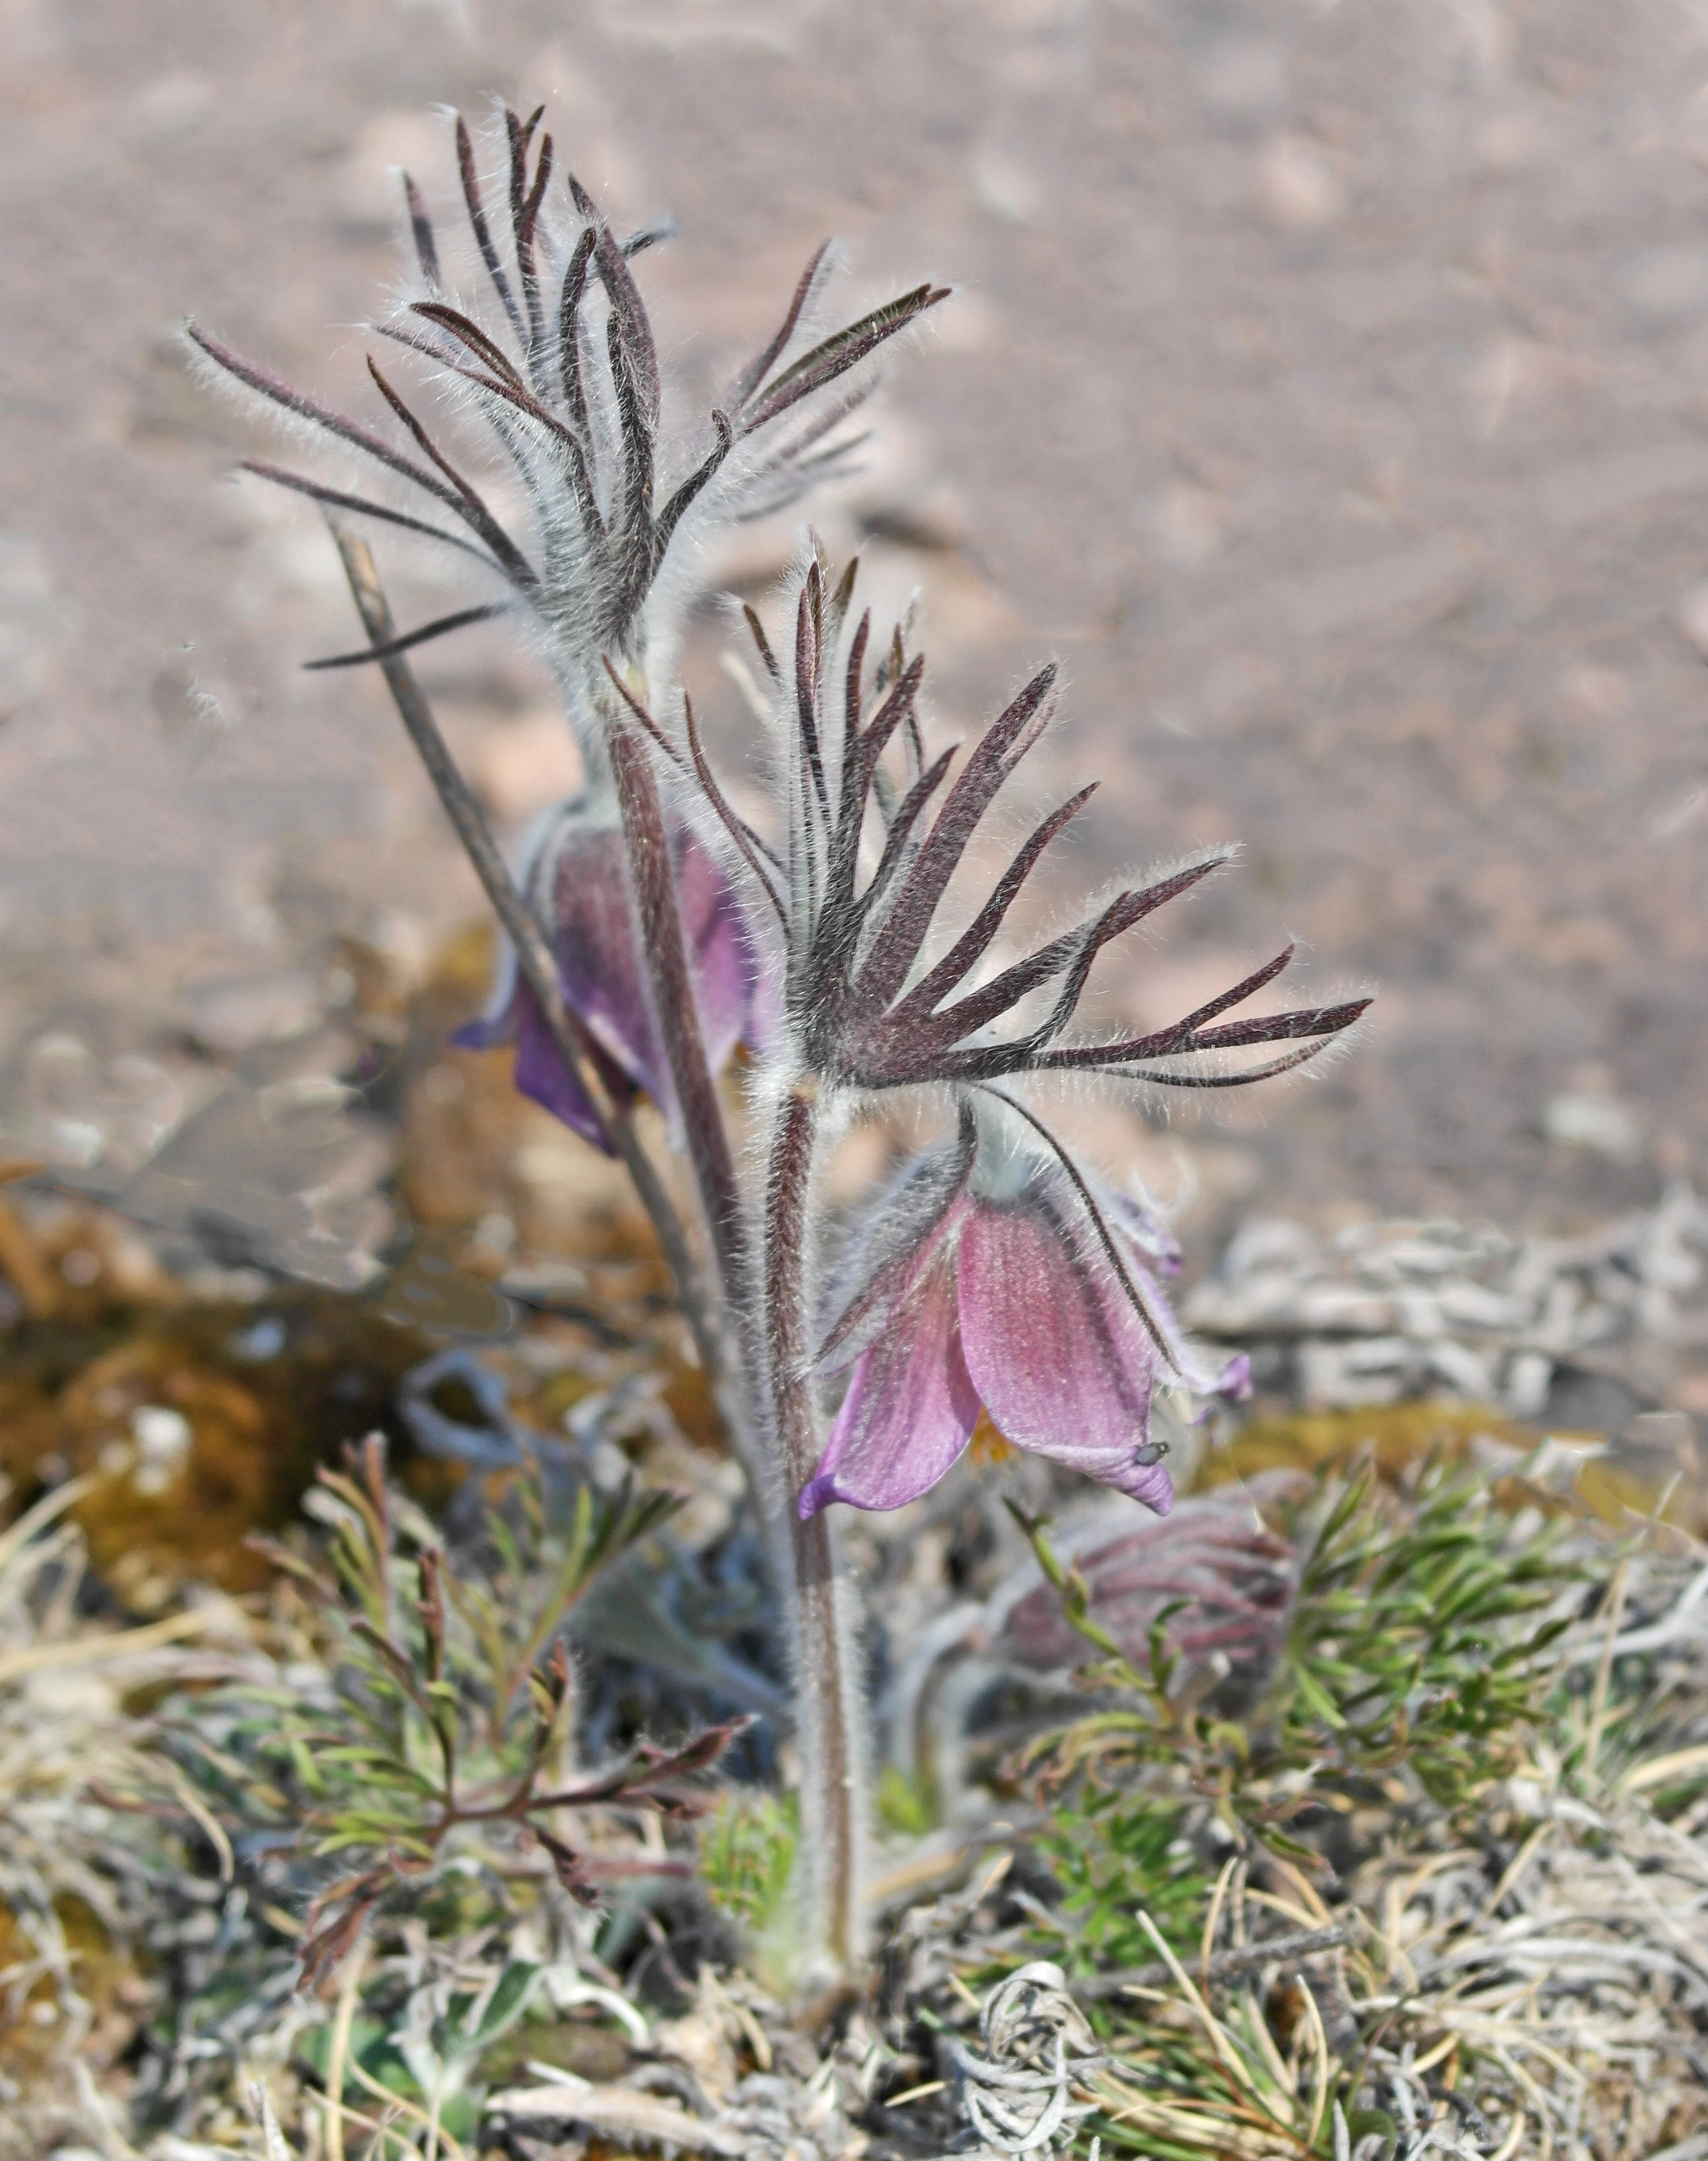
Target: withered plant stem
x=1243 y=1958
x=533 y=955
x=1612 y=1613
x=826 y=1684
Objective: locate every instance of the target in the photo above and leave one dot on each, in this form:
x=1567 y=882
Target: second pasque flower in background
x=577 y=880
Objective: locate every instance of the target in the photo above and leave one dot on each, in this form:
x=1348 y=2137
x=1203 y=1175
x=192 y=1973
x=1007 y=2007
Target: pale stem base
x=829 y=1873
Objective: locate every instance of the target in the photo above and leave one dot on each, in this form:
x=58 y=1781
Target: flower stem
x=826 y=1681
x=665 y=952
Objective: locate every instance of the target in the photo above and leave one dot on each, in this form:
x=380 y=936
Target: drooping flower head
x=1001 y=1278
x=998 y=1277
x=1217 y=1577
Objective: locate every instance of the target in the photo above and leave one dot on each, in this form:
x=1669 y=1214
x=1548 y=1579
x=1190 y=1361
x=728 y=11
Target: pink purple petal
x=580 y=880
x=1188 y=1363
x=1141 y=1227
x=1063 y=1363
x=1145 y=1244
x=1237 y=1579
x=910 y=1408
x=597 y=947
x=543 y=1075
x=888 y=1251
x=497 y=1026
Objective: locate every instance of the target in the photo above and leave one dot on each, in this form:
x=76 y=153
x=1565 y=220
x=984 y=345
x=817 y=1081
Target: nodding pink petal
x=910 y=1408
x=543 y=1073
x=1063 y=1363
x=890 y=1248
x=1189 y=1363
x=579 y=881
x=585 y=893
x=1232 y=1582
x=1149 y=1482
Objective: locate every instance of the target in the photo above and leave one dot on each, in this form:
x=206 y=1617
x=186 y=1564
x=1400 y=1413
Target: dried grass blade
x=1614 y=1610
x=1319 y=2083
x=1212 y=1919
x=121 y=1644
x=1659 y=1769
x=37 y=1518
x=1226 y=2053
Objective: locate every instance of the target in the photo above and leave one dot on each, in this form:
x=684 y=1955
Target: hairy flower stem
x=534 y=955
x=826 y=1682
x=704 y=1133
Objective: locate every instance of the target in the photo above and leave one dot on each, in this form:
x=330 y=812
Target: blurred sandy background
x=1325 y=389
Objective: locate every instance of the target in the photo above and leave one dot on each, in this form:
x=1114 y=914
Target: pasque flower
x=997 y=1276
x=1219 y=1581
x=1001 y=1278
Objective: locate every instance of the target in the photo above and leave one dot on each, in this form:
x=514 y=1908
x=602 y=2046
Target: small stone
x=1598 y=1123
x=1297 y=186
x=1525 y=1388
x=163 y=1435
x=234 y=1013
x=1464 y=1372
x=1342 y=1310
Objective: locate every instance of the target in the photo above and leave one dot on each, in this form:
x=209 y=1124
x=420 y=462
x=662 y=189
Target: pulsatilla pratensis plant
x=652 y=928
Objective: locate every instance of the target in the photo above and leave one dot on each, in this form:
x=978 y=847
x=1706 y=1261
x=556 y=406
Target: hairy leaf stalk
x=827 y=1684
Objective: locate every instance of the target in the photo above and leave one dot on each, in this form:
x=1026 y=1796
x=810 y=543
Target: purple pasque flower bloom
x=576 y=878
x=857 y=883
x=999 y=1277
x=563 y=373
